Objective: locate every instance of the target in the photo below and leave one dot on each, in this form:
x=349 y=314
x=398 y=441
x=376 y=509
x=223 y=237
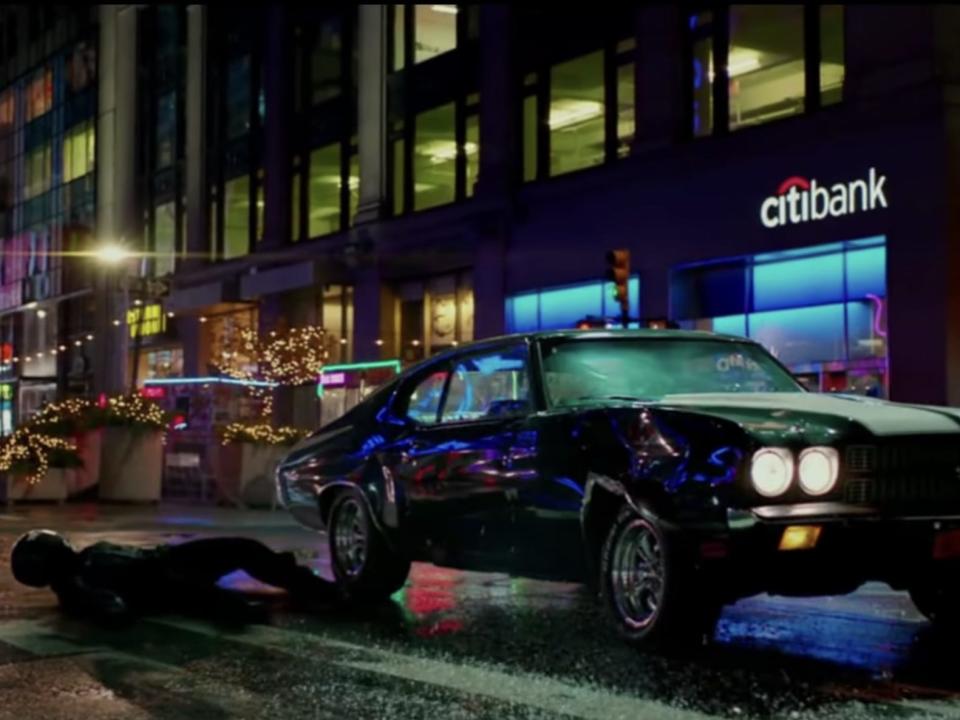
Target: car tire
x=940 y=602
x=648 y=584
x=365 y=567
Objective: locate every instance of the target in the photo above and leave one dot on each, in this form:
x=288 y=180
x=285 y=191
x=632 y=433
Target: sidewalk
x=165 y=518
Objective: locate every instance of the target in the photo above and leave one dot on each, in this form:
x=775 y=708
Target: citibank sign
x=800 y=200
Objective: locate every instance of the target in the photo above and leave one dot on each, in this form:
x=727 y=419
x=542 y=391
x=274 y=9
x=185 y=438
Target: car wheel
x=940 y=602
x=365 y=567
x=649 y=586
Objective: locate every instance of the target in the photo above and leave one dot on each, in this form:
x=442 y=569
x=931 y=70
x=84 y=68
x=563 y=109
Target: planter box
x=257 y=466
x=89 y=444
x=131 y=464
x=53 y=486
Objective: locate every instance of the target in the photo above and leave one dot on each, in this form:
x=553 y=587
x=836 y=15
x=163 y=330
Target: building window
x=39 y=94
x=326 y=66
x=831 y=54
x=166 y=129
x=821 y=310
x=576 y=116
x=165 y=239
x=578 y=110
x=78 y=151
x=434 y=158
x=236 y=217
x=324 y=208
x=558 y=308
x=435 y=31
x=238 y=97
x=757 y=63
x=38 y=171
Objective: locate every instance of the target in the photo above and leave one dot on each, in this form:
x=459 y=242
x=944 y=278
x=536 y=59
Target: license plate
x=947 y=545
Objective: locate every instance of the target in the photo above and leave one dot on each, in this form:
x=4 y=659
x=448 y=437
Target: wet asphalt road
x=452 y=645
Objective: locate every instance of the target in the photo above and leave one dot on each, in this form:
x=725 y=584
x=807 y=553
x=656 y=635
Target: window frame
x=540 y=88
x=412 y=92
x=718 y=31
x=401 y=403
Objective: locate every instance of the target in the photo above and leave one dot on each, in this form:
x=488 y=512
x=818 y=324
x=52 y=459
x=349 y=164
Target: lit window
x=831 y=54
x=435 y=158
x=530 y=138
x=576 y=114
x=767 y=71
x=765 y=63
x=78 y=151
x=626 y=105
x=324 y=191
x=164 y=239
x=435 y=31
x=39 y=94
x=399 y=168
x=471 y=150
x=354 y=186
x=37 y=167
x=236 y=217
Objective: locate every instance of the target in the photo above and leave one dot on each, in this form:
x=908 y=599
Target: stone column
x=117 y=201
x=372 y=112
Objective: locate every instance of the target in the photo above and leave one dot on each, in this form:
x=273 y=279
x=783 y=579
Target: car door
x=463 y=469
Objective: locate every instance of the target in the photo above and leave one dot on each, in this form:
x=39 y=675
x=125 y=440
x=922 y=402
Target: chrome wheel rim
x=637 y=572
x=350 y=538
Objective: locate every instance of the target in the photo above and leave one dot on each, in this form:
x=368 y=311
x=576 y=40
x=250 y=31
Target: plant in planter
x=73 y=419
x=250 y=457
x=131 y=465
x=37 y=465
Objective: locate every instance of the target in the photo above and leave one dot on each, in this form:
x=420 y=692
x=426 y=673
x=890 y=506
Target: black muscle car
x=672 y=471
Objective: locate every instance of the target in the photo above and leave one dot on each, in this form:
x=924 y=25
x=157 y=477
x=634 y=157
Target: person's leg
x=211 y=559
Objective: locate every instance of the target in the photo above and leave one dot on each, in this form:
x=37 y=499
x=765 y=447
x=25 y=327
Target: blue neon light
x=558 y=308
x=209 y=381
x=798 y=283
x=801 y=334
x=867 y=272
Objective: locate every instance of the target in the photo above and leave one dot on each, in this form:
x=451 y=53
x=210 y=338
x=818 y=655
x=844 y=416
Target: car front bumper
x=842 y=547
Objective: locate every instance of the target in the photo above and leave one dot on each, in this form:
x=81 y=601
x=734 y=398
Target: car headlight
x=819 y=468
x=772 y=471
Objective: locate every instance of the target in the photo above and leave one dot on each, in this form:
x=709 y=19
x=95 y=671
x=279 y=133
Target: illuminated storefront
x=155 y=350
x=557 y=308
x=434 y=315
x=340 y=387
x=821 y=310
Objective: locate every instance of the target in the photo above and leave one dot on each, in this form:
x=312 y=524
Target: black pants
x=203 y=562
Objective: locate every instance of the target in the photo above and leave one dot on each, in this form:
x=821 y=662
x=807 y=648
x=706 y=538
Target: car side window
x=488 y=385
x=424 y=403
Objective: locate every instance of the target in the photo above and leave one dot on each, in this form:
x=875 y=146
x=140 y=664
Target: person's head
x=39 y=557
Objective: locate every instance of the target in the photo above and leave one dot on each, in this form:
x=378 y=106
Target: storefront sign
x=153 y=392
x=146 y=321
x=800 y=200
x=333 y=379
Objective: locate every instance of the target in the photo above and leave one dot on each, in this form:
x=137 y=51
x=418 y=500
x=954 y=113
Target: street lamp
x=111 y=254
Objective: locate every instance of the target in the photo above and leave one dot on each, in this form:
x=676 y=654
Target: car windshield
x=578 y=370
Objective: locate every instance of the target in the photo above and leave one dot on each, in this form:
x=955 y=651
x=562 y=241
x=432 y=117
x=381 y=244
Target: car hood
x=805 y=413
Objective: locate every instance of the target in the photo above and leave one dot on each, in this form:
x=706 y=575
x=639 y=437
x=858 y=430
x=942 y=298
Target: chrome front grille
x=923 y=469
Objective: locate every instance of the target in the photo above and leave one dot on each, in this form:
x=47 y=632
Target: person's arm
x=83 y=600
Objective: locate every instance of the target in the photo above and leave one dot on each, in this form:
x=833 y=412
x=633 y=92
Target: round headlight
x=819 y=467
x=772 y=471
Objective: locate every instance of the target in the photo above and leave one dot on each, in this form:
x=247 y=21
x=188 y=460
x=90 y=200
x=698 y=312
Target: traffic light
x=618 y=271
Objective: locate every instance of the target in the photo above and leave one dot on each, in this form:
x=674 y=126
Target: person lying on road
x=108 y=582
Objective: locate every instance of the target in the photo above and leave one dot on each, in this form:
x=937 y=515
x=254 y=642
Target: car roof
x=578 y=335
